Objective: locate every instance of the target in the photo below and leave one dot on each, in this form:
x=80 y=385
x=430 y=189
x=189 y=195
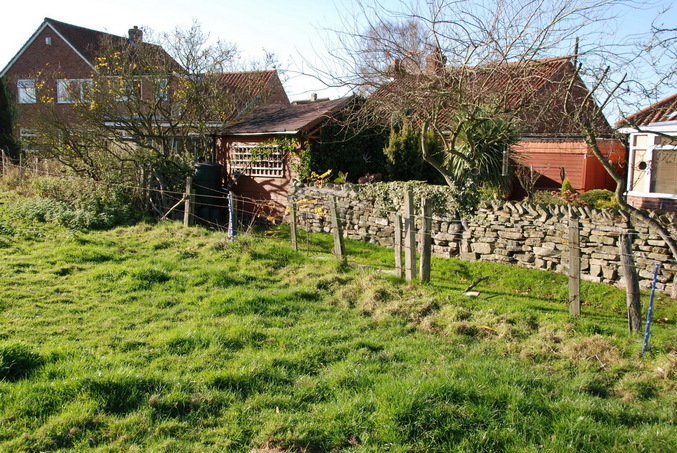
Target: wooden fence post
x=22 y=171
x=398 y=245
x=425 y=240
x=409 y=237
x=574 y=267
x=339 y=249
x=189 y=204
x=292 y=225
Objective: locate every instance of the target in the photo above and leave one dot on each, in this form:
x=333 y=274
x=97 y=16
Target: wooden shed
x=260 y=151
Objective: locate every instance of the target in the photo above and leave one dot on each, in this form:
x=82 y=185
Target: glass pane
x=26 y=90
x=64 y=91
x=639 y=171
x=663 y=140
x=87 y=86
x=161 y=91
x=664 y=172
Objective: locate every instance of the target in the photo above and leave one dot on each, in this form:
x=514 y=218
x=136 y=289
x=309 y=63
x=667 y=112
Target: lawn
x=159 y=338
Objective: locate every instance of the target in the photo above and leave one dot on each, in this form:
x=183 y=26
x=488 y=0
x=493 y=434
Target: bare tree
x=661 y=50
x=614 y=82
x=471 y=72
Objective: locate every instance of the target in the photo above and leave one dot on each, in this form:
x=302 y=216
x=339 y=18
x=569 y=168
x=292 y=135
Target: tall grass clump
x=77 y=203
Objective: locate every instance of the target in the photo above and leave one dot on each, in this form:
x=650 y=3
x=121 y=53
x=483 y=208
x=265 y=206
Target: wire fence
x=604 y=258
x=219 y=209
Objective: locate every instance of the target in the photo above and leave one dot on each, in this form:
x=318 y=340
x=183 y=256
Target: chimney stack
x=396 y=69
x=435 y=62
x=135 y=35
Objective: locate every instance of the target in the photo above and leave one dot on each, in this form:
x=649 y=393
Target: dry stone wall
x=524 y=234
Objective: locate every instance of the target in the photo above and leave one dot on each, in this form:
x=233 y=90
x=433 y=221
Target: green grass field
x=156 y=338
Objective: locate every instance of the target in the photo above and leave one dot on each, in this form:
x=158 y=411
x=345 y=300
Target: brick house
x=652 y=169
x=536 y=92
x=58 y=63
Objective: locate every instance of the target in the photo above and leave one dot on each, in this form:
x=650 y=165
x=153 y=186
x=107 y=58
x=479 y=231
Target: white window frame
x=26 y=91
x=70 y=91
x=653 y=144
x=659 y=145
x=242 y=161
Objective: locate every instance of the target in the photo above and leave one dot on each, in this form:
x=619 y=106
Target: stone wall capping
x=520 y=208
x=519 y=233
x=540 y=209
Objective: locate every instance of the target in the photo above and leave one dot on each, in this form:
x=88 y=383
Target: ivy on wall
x=389 y=197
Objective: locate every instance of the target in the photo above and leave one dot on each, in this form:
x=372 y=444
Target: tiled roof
x=84 y=40
x=660 y=112
x=252 y=84
x=537 y=92
x=238 y=80
x=291 y=118
x=88 y=42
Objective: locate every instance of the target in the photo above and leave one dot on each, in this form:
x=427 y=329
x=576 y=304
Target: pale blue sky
x=288 y=28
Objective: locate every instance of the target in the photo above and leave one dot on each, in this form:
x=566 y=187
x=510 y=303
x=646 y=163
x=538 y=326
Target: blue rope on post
x=231 y=220
x=649 y=314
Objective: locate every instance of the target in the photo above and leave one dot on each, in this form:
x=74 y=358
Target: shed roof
x=289 y=119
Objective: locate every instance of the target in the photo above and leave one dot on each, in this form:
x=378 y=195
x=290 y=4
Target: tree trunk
x=631 y=281
x=628 y=210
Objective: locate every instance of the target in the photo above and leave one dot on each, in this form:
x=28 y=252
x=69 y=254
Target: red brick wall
x=46 y=63
x=654 y=204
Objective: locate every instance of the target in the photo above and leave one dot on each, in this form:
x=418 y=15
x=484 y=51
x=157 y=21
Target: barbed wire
x=588 y=250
